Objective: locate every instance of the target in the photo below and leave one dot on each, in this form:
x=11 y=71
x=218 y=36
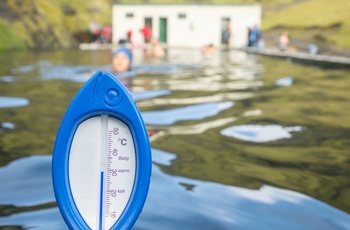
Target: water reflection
x=185 y=101
x=194 y=112
x=217 y=206
x=8 y=125
x=147 y=94
x=27 y=68
x=260 y=133
x=39 y=220
x=69 y=73
x=286 y=81
x=202 y=85
x=7 y=78
x=83 y=73
x=162 y=158
x=8 y=102
x=21 y=180
x=26 y=194
x=214 y=206
x=163 y=68
x=189 y=129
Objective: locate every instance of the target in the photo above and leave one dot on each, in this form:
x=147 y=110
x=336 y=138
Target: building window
x=182 y=15
x=129 y=15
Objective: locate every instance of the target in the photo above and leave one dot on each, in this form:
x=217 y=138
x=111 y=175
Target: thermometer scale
x=101 y=161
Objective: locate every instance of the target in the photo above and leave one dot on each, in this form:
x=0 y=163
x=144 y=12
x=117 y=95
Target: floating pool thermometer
x=101 y=162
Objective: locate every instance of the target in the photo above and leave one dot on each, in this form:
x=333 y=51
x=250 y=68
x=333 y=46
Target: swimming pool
x=231 y=148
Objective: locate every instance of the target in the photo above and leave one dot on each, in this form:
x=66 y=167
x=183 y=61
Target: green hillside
x=321 y=21
x=43 y=24
x=47 y=24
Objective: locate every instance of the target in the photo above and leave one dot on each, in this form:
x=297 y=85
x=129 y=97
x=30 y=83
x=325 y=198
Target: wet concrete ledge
x=305 y=58
x=316 y=59
x=96 y=46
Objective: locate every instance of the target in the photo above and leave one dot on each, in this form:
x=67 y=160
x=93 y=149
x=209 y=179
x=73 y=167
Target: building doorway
x=163 y=32
x=147 y=30
x=148 y=23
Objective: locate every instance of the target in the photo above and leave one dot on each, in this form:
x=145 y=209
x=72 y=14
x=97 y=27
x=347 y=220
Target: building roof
x=186 y=4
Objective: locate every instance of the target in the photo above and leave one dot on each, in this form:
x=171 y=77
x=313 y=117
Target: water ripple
x=215 y=206
x=8 y=102
x=26 y=181
x=260 y=133
x=194 y=112
x=218 y=206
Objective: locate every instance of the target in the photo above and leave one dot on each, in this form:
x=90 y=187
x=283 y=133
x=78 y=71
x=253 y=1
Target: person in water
x=122 y=64
x=156 y=49
x=121 y=60
x=206 y=49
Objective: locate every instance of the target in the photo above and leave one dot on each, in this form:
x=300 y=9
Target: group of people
x=100 y=34
x=255 y=39
x=151 y=45
x=146 y=32
x=122 y=57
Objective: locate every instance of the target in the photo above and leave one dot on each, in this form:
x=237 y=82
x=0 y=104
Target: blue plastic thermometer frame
x=103 y=101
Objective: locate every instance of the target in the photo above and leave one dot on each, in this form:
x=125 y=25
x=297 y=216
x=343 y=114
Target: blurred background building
x=186 y=25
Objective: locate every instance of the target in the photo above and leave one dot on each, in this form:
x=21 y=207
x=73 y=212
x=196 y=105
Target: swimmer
x=121 y=60
x=122 y=65
x=156 y=49
x=206 y=49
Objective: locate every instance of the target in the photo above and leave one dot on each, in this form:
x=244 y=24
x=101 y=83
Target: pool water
x=238 y=141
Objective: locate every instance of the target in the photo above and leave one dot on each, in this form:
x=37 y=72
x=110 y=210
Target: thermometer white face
x=101 y=170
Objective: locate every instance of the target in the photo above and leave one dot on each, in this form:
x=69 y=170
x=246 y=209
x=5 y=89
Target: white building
x=186 y=25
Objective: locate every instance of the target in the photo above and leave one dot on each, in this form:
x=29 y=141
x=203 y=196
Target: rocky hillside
x=46 y=24
x=41 y=24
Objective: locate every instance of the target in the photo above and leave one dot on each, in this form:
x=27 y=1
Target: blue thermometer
x=102 y=160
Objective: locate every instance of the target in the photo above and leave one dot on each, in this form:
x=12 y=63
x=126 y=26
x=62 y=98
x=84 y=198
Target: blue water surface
x=193 y=112
x=211 y=111
x=171 y=200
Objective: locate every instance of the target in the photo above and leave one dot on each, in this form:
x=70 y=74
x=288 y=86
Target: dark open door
x=148 y=23
x=223 y=31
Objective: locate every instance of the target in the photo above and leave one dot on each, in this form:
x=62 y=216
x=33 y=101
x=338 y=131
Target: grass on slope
x=45 y=24
x=323 y=15
x=9 y=38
